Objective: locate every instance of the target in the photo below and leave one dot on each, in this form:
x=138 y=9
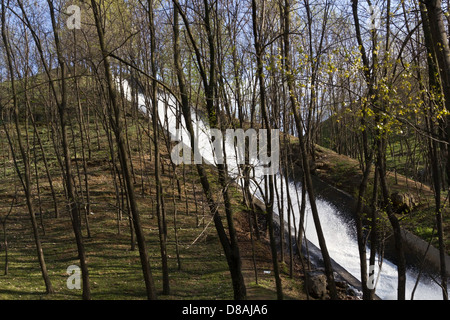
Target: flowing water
x=339 y=233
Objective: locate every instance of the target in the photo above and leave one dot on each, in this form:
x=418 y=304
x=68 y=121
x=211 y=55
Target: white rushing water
x=339 y=235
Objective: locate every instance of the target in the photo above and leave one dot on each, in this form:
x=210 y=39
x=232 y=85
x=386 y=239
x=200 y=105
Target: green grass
x=424 y=232
x=114 y=269
x=397 y=156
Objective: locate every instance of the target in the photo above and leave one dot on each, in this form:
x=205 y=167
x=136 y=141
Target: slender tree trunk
x=124 y=160
x=159 y=190
x=360 y=230
x=83 y=148
x=25 y=177
x=374 y=232
x=230 y=247
x=73 y=203
x=175 y=226
x=401 y=262
x=441 y=47
x=305 y=161
x=4 y=222
x=44 y=159
x=270 y=195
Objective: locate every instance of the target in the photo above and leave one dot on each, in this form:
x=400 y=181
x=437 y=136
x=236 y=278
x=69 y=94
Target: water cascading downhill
x=339 y=233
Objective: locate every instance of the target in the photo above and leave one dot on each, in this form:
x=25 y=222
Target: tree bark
x=435 y=24
x=229 y=246
x=25 y=177
x=305 y=161
x=159 y=190
x=270 y=195
x=73 y=202
x=435 y=74
x=124 y=160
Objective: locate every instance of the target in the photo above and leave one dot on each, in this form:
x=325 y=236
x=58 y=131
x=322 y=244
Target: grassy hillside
x=114 y=268
x=406 y=152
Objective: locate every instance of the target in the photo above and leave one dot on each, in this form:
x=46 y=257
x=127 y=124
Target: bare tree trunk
x=306 y=168
x=25 y=177
x=73 y=203
x=175 y=226
x=123 y=156
x=229 y=245
x=435 y=24
x=4 y=222
x=401 y=263
x=87 y=208
x=270 y=195
x=160 y=212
